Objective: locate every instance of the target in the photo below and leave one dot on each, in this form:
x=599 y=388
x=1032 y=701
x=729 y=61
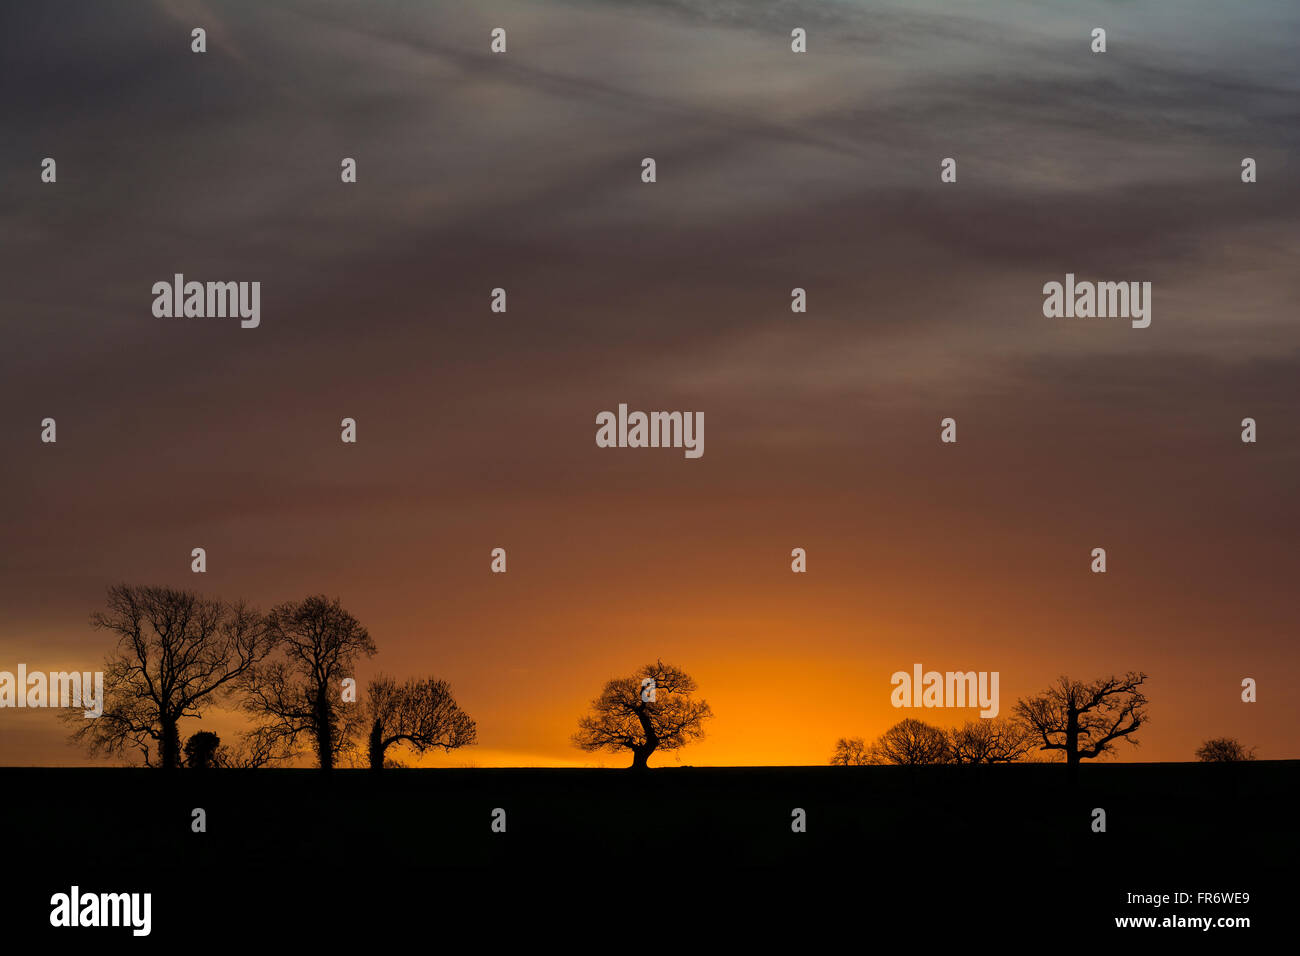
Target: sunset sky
x=476 y=430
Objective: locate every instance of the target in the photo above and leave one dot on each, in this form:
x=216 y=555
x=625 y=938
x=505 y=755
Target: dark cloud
x=522 y=171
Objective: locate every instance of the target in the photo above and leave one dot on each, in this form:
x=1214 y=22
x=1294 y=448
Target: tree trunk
x=641 y=754
x=169 y=747
x=324 y=730
x=1072 y=745
x=377 y=746
x=641 y=757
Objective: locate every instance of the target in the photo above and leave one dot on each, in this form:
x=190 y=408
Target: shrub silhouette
x=201 y=750
x=1224 y=750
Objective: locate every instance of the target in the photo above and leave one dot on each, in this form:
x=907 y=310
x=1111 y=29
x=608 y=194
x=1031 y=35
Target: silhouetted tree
x=1084 y=720
x=851 y=752
x=1224 y=750
x=990 y=740
x=176 y=653
x=298 y=693
x=910 y=742
x=631 y=714
x=201 y=750
x=420 y=713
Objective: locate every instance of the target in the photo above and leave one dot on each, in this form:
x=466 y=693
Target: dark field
x=886 y=847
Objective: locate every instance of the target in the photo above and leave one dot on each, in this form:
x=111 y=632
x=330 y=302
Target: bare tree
x=420 y=713
x=176 y=654
x=851 y=752
x=295 y=693
x=1224 y=750
x=1084 y=720
x=995 y=740
x=911 y=742
x=256 y=749
x=651 y=710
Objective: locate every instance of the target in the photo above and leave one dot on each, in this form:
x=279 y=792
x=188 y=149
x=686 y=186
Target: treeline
x=1079 y=720
x=911 y=742
x=1074 y=720
x=178 y=654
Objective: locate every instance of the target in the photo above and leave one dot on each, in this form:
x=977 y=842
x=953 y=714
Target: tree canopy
x=651 y=710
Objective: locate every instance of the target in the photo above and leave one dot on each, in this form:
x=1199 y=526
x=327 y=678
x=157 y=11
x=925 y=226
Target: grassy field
x=1011 y=842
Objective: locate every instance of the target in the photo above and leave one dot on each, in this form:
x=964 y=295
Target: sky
x=476 y=429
